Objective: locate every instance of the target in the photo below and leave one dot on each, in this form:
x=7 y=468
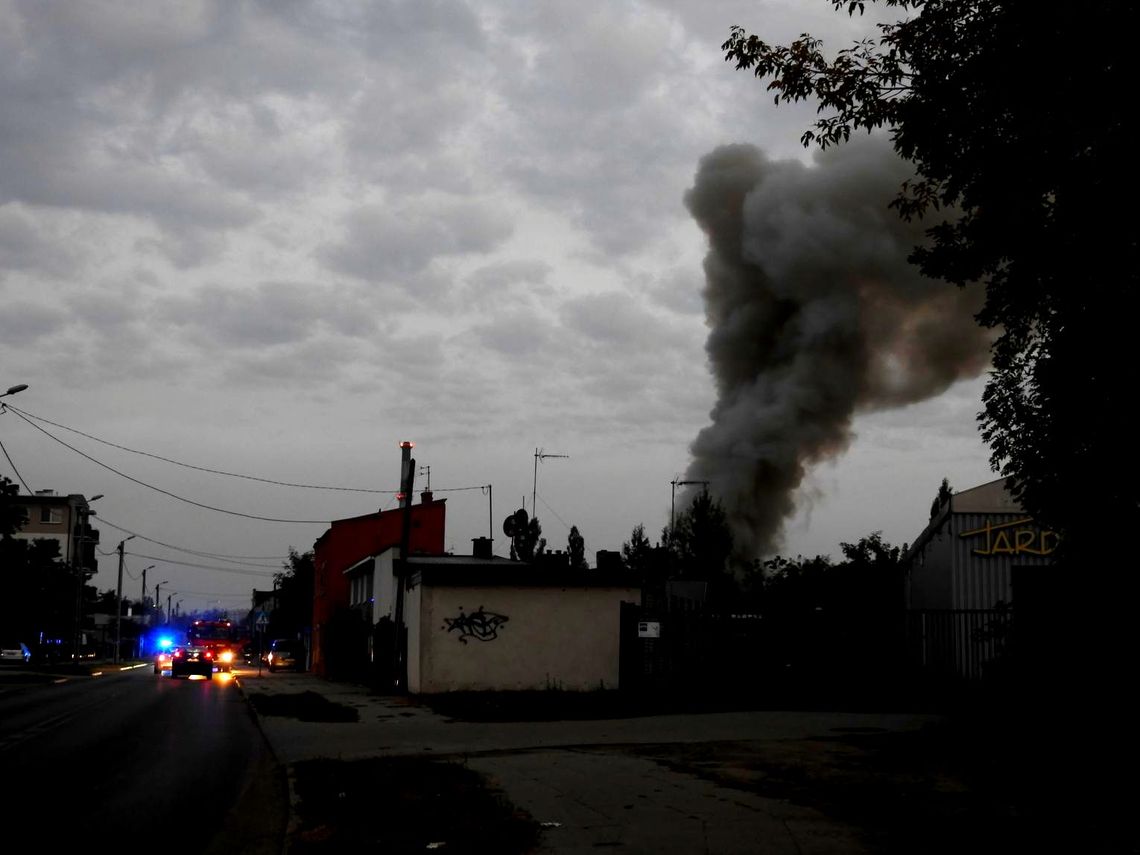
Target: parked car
x=15 y=651
x=286 y=654
x=185 y=660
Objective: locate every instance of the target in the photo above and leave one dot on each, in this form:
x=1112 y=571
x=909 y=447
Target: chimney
x=481 y=547
x=407 y=473
x=425 y=496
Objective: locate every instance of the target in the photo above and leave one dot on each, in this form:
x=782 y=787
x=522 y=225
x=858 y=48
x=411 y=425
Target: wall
x=552 y=638
x=349 y=541
x=987 y=546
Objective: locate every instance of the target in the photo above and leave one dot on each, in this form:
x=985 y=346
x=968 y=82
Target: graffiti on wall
x=480 y=625
x=1008 y=539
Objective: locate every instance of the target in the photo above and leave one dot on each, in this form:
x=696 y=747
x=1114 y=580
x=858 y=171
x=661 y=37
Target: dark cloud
x=383 y=243
x=24 y=323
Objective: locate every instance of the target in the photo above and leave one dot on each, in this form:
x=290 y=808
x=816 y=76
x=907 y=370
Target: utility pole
x=142 y=595
x=119 y=602
x=539 y=454
x=158 y=599
x=80 y=525
x=407 y=480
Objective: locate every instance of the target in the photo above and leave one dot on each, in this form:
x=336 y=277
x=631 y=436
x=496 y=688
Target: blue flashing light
x=165 y=643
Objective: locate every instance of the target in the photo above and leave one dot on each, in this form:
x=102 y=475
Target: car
x=186 y=660
x=164 y=645
x=285 y=654
x=162 y=661
x=15 y=651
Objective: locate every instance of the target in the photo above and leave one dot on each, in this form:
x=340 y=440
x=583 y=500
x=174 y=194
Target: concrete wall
x=526 y=637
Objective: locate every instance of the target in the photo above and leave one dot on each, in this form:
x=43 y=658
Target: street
x=93 y=760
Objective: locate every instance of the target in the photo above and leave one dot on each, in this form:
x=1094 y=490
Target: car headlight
x=227 y=656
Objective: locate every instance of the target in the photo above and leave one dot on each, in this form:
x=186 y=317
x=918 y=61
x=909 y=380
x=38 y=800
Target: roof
x=992 y=497
x=467 y=570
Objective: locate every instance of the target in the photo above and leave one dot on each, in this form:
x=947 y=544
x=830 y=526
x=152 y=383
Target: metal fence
x=961 y=643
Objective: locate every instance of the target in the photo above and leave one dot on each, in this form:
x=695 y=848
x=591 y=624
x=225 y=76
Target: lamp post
x=142 y=596
x=157 y=598
x=82 y=514
x=673 y=505
x=119 y=602
x=12 y=390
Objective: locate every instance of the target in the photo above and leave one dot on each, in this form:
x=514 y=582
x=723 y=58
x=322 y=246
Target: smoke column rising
x=814 y=315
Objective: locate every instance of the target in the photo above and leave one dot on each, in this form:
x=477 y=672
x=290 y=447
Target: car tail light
x=209 y=654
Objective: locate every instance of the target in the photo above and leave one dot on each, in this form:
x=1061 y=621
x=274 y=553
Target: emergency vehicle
x=218 y=638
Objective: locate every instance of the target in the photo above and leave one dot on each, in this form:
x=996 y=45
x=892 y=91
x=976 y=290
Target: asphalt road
x=92 y=762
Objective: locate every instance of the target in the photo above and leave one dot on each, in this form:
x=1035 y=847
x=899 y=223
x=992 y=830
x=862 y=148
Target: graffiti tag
x=480 y=625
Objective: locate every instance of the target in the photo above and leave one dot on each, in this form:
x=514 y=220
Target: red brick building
x=350 y=541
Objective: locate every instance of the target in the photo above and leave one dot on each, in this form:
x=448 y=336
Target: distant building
x=64 y=519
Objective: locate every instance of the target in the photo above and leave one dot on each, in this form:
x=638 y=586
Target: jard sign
x=1020 y=537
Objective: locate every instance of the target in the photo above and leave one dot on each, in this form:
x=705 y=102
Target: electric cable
x=159 y=489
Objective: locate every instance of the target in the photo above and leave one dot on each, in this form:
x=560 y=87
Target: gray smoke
x=815 y=315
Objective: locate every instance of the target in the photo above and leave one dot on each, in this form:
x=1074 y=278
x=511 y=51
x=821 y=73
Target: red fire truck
x=218 y=637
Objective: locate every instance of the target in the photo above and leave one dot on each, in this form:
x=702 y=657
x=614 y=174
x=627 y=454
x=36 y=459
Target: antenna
x=539 y=454
x=426 y=470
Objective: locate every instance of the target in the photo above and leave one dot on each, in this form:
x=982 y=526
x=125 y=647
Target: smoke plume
x=815 y=315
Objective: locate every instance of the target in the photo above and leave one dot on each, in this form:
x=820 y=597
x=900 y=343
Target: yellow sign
x=1000 y=540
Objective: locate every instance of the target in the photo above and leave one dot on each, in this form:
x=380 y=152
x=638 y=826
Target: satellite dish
x=516 y=523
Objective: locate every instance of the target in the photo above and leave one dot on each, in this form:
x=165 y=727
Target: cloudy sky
x=276 y=239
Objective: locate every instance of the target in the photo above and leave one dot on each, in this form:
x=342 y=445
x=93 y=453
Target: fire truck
x=218 y=637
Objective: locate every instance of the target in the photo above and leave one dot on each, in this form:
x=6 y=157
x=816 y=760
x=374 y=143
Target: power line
x=159 y=489
x=278 y=558
x=27 y=415
x=265 y=573
x=14 y=469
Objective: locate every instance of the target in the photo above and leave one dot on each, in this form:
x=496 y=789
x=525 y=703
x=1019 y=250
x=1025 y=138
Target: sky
x=248 y=248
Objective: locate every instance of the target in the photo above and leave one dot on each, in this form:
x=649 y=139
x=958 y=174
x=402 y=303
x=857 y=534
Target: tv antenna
x=426 y=470
x=539 y=454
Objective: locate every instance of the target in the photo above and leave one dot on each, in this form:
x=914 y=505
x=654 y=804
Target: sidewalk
x=621 y=782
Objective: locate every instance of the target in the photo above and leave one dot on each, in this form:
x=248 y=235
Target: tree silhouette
x=576 y=548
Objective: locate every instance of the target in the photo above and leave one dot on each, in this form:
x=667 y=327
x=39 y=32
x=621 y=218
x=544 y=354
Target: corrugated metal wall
x=980 y=581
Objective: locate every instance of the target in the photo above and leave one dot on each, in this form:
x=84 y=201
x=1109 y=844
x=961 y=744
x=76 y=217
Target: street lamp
x=142 y=596
x=673 y=505
x=157 y=598
x=80 y=525
x=119 y=601
x=12 y=390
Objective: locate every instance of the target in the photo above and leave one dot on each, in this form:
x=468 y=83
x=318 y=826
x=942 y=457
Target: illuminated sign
x=1002 y=539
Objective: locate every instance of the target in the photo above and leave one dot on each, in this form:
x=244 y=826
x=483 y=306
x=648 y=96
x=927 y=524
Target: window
x=50 y=515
